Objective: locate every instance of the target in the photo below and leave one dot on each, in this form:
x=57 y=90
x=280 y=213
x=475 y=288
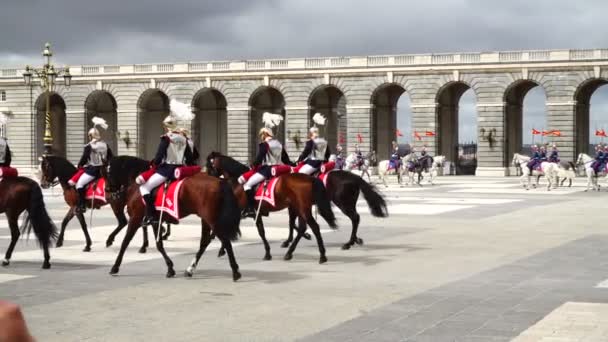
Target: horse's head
x=48 y=174
x=213 y=164
x=581 y=159
x=515 y=160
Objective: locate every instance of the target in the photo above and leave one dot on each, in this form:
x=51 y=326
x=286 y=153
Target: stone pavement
x=470 y=259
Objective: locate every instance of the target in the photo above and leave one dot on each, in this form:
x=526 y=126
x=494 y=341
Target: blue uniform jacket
x=167 y=170
x=265 y=170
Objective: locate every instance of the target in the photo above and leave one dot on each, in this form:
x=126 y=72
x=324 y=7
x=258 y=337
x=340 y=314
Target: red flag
x=341 y=139
x=600 y=132
x=398 y=133
x=430 y=134
x=359 y=138
x=417 y=135
x=535 y=132
x=556 y=133
x=546 y=133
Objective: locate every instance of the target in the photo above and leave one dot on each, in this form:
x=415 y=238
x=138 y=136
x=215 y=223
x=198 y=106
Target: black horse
x=21 y=194
x=343 y=189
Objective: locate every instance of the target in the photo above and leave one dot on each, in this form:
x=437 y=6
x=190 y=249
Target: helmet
x=170 y=123
x=314 y=132
x=265 y=131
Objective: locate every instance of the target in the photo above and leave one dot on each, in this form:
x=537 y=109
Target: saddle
x=180 y=173
x=8 y=172
x=167 y=200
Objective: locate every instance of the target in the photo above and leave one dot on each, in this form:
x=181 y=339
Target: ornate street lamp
x=47 y=75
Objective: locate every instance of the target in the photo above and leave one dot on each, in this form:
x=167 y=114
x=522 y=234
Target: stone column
x=491 y=140
x=359 y=122
x=561 y=116
x=238 y=133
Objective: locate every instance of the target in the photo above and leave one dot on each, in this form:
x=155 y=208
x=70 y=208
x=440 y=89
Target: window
x=2 y=96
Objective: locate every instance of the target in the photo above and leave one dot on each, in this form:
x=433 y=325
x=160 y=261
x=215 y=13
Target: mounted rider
x=173 y=151
x=543 y=154
x=554 y=156
x=195 y=154
x=96 y=154
x=359 y=155
x=395 y=160
x=270 y=153
x=535 y=159
x=316 y=152
x=423 y=160
x=339 y=158
x=600 y=159
x=5 y=151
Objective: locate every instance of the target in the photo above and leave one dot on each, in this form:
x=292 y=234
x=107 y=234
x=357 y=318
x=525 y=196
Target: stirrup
x=148 y=221
x=248 y=212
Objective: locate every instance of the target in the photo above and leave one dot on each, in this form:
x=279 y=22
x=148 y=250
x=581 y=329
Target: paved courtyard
x=469 y=259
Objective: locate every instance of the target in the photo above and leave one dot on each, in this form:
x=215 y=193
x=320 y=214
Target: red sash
x=186 y=171
x=8 y=172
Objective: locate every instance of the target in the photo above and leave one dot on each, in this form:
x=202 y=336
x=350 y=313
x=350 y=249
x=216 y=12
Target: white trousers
x=84 y=180
x=307 y=169
x=151 y=184
x=253 y=181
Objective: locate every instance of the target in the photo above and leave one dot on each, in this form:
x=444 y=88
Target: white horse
x=384 y=171
x=549 y=170
x=566 y=171
x=587 y=161
x=438 y=162
x=350 y=164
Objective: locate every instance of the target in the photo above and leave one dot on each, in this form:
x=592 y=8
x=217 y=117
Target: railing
x=339 y=62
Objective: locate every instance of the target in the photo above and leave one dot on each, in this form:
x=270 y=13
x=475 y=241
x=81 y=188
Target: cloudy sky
x=120 y=31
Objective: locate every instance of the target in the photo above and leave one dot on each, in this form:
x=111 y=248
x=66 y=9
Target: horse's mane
x=229 y=165
x=124 y=169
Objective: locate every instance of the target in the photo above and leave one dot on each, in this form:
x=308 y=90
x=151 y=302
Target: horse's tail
x=375 y=200
x=230 y=215
x=38 y=218
x=323 y=204
x=572 y=166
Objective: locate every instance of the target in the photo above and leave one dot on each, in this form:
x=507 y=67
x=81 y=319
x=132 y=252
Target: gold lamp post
x=47 y=76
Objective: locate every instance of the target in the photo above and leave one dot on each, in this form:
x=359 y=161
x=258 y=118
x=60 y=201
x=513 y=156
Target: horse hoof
x=346 y=246
x=359 y=241
x=171 y=273
x=46 y=265
x=109 y=243
x=59 y=244
x=114 y=270
x=307 y=236
x=188 y=274
x=267 y=257
x=285 y=244
x=143 y=250
x=87 y=249
x=221 y=253
x=5 y=262
x=322 y=259
x=288 y=257
x=236 y=276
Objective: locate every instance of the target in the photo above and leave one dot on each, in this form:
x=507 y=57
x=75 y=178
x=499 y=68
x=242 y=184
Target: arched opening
x=391 y=110
x=209 y=131
x=331 y=102
x=58 y=124
x=102 y=104
x=524 y=111
x=591 y=105
x=265 y=99
x=457 y=127
x=153 y=107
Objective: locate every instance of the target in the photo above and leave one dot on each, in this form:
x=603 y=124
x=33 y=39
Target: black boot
x=81 y=207
x=150 y=210
x=249 y=211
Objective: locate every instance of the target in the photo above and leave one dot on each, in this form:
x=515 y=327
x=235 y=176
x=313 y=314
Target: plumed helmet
x=265 y=131
x=170 y=123
x=94 y=134
x=314 y=131
x=97 y=123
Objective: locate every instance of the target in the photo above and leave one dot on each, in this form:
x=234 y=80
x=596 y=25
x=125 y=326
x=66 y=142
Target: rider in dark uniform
x=339 y=158
x=536 y=157
x=270 y=153
x=543 y=154
x=97 y=153
x=316 y=152
x=423 y=160
x=395 y=160
x=554 y=156
x=5 y=153
x=359 y=155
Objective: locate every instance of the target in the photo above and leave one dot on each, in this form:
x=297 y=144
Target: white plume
x=319 y=119
x=3 y=118
x=181 y=111
x=97 y=121
x=271 y=120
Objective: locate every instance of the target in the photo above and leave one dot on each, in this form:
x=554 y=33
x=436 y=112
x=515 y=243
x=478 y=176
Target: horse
x=436 y=163
x=566 y=171
x=587 y=161
x=207 y=197
x=409 y=175
x=384 y=171
x=549 y=170
x=343 y=189
x=19 y=194
x=127 y=169
x=296 y=191
x=351 y=164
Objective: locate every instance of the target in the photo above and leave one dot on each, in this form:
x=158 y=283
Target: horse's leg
x=122 y=222
x=294 y=244
x=14 y=227
x=68 y=217
x=168 y=232
x=161 y=249
x=317 y=231
x=145 y=244
x=134 y=224
x=236 y=275
x=83 y=225
x=350 y=210
x=292 y=227
x=205 y=241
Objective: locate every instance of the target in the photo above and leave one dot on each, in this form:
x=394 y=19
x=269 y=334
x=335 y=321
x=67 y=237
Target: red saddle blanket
x=171 y=204
x=76 y=177
x=8 y=172
x=266 y=193
x=99 y=193
x=326 y=167
x=297 y=168
x=323 y=178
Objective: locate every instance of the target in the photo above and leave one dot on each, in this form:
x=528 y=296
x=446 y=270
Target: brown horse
x=57 y=168
x=298 y=192
x=21 y=194
x=207 y=197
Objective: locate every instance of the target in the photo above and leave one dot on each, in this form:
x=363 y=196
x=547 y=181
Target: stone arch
x=385 y=100
x=210 y=128
x=265 y=99
x=582 y=98
x=513 y=100
x=152 y=108
x=58 y=124
x=447 y=129
x=101 y=103
x=330 y=101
